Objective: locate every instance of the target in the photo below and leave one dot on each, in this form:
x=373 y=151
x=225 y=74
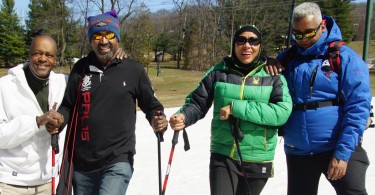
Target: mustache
x=42 y=64
x=105 y=56
x=105 y=45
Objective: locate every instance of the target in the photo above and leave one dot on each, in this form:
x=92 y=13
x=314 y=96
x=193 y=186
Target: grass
x=358 y=47
x=173 y=85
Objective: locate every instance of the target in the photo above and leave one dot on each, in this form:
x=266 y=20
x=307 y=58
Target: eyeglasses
x=308 y=34
x=107 y=36
x=253 y=41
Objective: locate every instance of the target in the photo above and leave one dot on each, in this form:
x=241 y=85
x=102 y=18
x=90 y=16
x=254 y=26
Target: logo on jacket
x=86 y=83
x=256 y=80
x=326 y=68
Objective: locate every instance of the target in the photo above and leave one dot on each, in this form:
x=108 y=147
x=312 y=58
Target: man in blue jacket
x=324 y=131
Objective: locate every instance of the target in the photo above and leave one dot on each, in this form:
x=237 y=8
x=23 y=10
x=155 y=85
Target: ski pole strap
x=238 y=135
x=185 y=137
x=235 y=129
x=186 y=140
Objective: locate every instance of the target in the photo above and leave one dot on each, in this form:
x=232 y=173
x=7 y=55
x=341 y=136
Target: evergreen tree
x=12 y=45
x=51 y=17
x=340 y=10
x=167 y=43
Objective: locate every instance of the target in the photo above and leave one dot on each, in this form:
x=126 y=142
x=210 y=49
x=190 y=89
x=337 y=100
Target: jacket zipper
x=241 y=98
x=312 y=80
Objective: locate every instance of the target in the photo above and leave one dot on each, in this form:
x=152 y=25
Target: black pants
x=224 y=181
x=304 y=173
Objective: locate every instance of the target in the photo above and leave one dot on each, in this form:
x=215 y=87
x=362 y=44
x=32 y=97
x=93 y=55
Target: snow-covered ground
x=189 y=170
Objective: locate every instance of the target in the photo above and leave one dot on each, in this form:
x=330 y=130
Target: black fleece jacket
x=102 y=116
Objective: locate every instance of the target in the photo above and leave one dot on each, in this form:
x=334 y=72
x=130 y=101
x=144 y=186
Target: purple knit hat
x=107 y=22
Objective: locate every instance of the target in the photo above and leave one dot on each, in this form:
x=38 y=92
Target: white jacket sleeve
x=17 y=130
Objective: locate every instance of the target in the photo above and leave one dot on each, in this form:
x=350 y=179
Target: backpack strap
x=334 y=56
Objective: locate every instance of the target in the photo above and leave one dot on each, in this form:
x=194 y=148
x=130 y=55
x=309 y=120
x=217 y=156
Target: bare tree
x=83 y=7
x=180 y=6
x=121 y=6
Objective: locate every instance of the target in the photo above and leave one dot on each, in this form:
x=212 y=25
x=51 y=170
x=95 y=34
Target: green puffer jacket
x=259 y=101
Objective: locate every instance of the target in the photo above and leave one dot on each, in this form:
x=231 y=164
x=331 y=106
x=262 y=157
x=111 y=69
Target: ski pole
x=55 y=149
x=238 y=134
x=160 y=138
x=174 y=142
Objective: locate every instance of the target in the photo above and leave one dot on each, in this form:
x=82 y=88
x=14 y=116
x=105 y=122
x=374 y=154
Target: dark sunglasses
x=308 y=34
x=108 y=36
x=240 y=40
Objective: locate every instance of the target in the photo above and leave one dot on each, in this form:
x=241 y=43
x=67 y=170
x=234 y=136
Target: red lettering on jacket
x=86 y=109
x=85 y=106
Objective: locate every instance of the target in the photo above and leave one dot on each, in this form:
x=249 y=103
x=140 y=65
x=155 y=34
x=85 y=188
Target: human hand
x=336 y=169
x=177 y=121
x=225 y=112
x=120 y=54
x=54 y=120
x=273 y=67
x=159 y=123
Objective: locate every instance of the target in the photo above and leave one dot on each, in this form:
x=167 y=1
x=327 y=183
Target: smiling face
x=42 y=55
x=104 y=46
x=247 y=49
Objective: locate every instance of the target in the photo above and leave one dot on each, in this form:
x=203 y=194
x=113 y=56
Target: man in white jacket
x=27 y=97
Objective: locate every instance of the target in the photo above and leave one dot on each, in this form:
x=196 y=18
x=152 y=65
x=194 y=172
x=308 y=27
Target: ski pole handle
x=55 y=150
x=159 y=135
x=175 y=137
x=54 y=138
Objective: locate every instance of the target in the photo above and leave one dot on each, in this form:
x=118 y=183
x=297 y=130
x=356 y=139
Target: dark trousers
x=304 y=173
x=223 y=181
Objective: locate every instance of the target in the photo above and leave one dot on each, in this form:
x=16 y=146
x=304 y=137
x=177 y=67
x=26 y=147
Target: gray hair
x=307 y=9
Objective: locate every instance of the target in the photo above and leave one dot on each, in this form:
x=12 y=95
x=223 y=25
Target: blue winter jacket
x=330 y=128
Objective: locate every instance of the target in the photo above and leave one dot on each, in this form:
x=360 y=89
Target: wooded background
x=195 y=34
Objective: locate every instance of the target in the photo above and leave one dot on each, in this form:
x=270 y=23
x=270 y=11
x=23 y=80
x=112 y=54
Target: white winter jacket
x=25 y=149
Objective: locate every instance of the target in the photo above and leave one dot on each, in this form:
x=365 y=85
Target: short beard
x=105 y=56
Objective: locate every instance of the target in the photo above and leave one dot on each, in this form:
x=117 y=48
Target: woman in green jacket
x=244 y=96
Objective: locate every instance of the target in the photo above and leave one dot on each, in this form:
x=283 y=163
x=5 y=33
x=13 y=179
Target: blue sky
x=21 y=6
x=155 y=5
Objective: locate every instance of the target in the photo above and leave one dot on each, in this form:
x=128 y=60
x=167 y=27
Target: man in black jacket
x=100 y=106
